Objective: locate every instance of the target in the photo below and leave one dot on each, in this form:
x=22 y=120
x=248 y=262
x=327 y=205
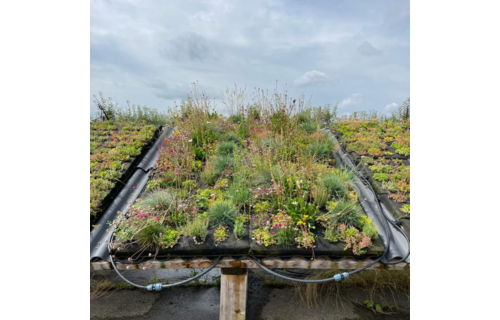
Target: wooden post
x=233 y=294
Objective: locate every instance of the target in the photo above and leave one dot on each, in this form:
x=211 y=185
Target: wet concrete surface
x=265 y=300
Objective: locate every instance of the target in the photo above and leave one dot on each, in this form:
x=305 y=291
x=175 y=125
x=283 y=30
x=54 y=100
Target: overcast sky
x=355 y=53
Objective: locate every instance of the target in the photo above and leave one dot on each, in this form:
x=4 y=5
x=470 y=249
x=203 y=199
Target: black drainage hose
x=387 y=219
x=144 y=170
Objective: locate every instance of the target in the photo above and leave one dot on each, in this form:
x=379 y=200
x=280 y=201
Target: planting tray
x=187 y=248
x=322 y=247
x=130 y=168
x=382 y=194
x=340 y=138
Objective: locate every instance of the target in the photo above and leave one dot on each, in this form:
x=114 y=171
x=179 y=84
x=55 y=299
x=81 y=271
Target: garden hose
x=336 y=277
x=156 y=286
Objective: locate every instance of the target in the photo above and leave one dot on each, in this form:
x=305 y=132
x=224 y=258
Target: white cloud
x=391 y=107
x=311 y=77
x=354 y=100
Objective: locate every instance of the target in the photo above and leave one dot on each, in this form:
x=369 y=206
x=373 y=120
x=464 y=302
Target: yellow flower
x=300 y=222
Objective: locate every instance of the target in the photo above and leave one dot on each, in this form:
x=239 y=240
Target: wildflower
x=295 y=203
x=190 y=140
x=133 y=187
x=160 y=189
x=157 y=205
x=167 y=179
x=168 y=166
x=237 y=190
x=300 y=222
x=160 y=235
x=158 y=219
x=279 y=224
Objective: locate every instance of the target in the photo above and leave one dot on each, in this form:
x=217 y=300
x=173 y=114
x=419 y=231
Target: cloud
x=150 y=51
x=367 y=49
x=311 y=77
x=189 y=46
x=391 y=107
x=354 y=100
x=166 y=91
x=172 y=90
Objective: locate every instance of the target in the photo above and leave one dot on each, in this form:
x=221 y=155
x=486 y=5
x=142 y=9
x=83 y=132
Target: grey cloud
x=162 y=90
x=170 y=90
x=110 y=53
x=367 y=49
x=397 y=19
x=190 y=46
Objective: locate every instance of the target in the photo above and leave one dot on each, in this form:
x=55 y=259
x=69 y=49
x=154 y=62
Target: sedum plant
x=220 y=234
